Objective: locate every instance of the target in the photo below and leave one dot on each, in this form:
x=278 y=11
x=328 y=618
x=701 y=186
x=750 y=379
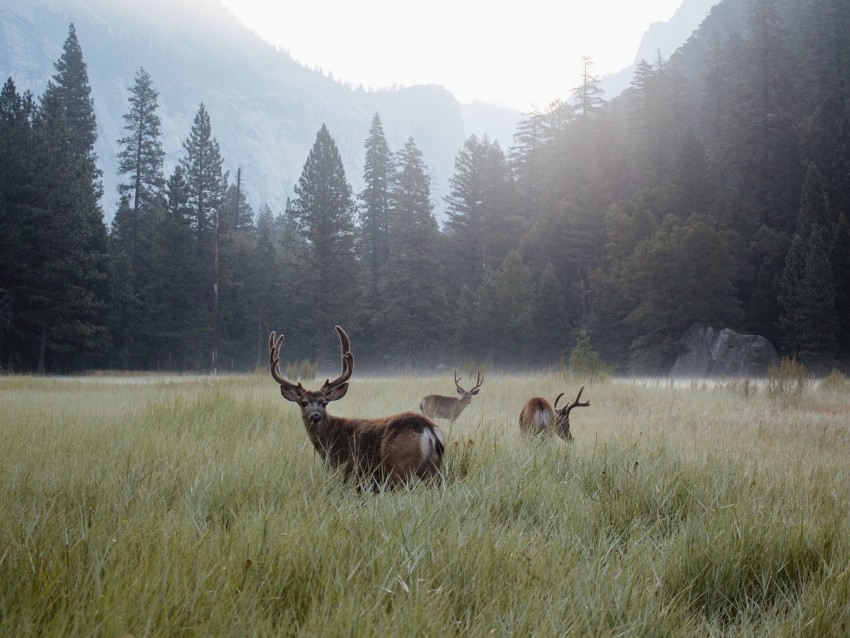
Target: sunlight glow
x=515 y=54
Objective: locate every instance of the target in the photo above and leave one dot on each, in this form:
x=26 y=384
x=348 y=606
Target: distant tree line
x=719 y=196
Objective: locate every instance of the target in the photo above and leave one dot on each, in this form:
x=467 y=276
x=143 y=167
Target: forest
x=715 y=190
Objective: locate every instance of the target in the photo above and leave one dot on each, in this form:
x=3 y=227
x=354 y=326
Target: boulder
x=715 y=352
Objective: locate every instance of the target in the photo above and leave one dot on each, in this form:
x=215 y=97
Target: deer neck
x=324 y=434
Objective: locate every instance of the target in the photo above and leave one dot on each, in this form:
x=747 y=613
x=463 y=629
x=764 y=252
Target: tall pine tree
x=323 y=214
x=412 y=321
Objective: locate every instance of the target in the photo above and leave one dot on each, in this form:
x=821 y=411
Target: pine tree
x=549 y=316
x=134 y=227
x=840 y=259
x=17 y=224
x=141 y=155
x=67 y=288
x=525 y=161
x=207 y=185
x=176 y=329
x=69 y=188
x=587 y=95
x=374 y=201
x=414 y=311
x=481 y=224
x=71 y=82
x=323 y=214
x=807 y=291
x=202 y=168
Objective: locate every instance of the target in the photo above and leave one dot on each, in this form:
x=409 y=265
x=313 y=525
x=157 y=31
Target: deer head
x=466 y=397
x=562 y=416
x=312 y=404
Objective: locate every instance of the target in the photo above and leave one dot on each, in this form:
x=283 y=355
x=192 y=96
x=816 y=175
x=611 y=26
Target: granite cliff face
x=264 y=107
x=722 y=352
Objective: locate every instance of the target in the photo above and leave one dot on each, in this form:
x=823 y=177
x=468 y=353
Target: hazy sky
x=512 y=53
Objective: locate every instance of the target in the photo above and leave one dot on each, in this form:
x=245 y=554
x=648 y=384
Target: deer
x=539 y=418
x=443 y=407
x=385 y=451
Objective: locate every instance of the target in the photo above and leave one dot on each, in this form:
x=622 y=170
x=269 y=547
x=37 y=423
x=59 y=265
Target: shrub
x=786 y=383
x=834 y=382
x=585 y=363
x=304 y=370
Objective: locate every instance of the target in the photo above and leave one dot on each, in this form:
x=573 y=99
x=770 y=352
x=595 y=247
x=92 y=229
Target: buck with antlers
x=392 y=449
x=443 y=407
x=538 y=417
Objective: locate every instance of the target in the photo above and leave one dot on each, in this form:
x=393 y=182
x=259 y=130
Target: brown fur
x=390 y=450
x=442 y=407
x=539 y=418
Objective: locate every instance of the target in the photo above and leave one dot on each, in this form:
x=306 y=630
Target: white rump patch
x=541 y=419
x=428 y=444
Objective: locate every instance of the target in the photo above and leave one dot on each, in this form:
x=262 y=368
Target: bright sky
x=510 y=53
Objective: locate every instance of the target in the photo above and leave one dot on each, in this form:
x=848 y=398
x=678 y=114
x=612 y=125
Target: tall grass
x=196 y=507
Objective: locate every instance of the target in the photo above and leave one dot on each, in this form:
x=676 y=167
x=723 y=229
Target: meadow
x=195 y=506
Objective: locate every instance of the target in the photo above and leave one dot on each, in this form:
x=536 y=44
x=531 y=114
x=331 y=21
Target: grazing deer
x=443 y=407
x=538 y=417
x=392 y=449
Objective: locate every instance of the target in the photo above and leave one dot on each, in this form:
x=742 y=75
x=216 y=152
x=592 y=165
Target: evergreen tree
x=18 y=226
x=134 y=227
x=807 y=289
x=71 y=82
x=525 y=159
x=202 y=168
x=69 y=188
x=684 y=274
x=206 y=181
x=481 y=223
x=841 y=278
x=323 y=214
x=413 y=317
x=141 y=154
x=238 y=213
x=177 y=324
x=550 y=319
x=66 y=290
x=513 y=309
x=374 y=201
x=587 y=95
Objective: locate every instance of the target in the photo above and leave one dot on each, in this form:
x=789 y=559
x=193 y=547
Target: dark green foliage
x=686 y=199
x=413 y=312
x=807 y=290
x=375 y=202
x=323 y=215
x=135 y=225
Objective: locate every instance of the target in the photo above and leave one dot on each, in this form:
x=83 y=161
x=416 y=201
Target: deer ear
x=459 y=391
x=291 y=393
x=336 y=393
x=474 y=392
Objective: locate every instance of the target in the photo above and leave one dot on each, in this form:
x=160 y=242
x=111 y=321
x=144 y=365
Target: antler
x=478 y=382
x=576 y=404
x=458 y=384
x=347 y=362
x=274 y=362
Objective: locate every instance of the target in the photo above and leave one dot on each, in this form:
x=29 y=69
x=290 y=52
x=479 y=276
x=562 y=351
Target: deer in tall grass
x=391 y=450
x=443 y=407
x=539 y=418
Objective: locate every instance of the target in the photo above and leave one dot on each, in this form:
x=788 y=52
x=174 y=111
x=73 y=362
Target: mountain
x=663 y=37
x=265 y=108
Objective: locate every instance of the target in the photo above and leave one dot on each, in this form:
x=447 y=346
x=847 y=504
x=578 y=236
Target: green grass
x=194 y=507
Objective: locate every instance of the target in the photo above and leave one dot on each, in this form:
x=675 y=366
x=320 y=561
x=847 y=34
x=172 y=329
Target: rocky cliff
x=264 y=107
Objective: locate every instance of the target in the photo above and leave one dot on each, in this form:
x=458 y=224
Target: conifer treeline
x=719 y=196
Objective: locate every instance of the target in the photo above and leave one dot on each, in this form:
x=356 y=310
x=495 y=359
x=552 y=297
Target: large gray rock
x=723 y=352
